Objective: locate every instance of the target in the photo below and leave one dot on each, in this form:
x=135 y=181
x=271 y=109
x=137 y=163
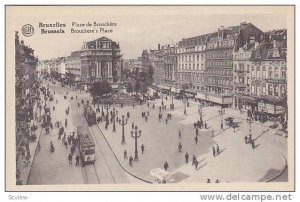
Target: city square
x=210 y=108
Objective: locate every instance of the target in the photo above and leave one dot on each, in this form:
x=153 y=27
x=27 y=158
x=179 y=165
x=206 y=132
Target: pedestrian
x=132 y=125
x=246 y=139
x=212 y=133
x=66 y=122
x=128 y=115
x=205 y=125
x=217 y=149
x=217 y=181
x=253 y=145
x=53 y=108
x=143 y=148
x=186 y=157
x=196 y=139
x=194 y=159
x=166 y=166
x=166 y=121
x=63 y=141
x=130 y=161
x=66 y=144
x=77 y=160
x=214 y=151
x=196 y=164
x=70 y=158
x=179 y=134
x=250 y=138
x=197 y=131
x=125 y=154
x=208 y=181
x=179 y=147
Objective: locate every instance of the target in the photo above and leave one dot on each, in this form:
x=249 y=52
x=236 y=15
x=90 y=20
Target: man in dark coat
x=143 y=148
x=130 y=160
x=166 y=166
x=196 y=139
x=77 y=160
x=214 y=151
x=186 y=157
x=125 y=154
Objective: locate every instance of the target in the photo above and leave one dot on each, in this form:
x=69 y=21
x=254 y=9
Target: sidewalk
x=21 y=165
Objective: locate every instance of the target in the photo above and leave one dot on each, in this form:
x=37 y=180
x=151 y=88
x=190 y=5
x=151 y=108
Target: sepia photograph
x=149 y=98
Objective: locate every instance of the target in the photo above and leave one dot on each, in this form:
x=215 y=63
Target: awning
x=163 y=87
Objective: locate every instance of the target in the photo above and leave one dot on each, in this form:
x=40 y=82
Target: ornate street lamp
x=249 y=121
x=107 y=106
x=123 y=123
x=114 y=119
x=135 y=136
x=200 y=112
x=221 y=113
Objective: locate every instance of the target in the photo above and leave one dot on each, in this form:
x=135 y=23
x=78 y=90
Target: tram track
x=89 y=173
x=119 y=163
x=106 y=163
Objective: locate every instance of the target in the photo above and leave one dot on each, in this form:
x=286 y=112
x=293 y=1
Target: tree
x=129 y=88
x=100 y=89
x=137 y=86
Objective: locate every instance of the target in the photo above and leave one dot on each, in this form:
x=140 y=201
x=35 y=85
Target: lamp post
x=114 y=119
x=184 y=103
x=123 y=123
x=222 y=112
x=200 y=112
x=135 y=136
x=249 y=121
x=107 y=107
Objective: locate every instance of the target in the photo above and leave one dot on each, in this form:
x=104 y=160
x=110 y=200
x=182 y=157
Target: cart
x=159 y=175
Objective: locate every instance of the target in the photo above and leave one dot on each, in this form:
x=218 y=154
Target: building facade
x=191 y=63
x=101 y=60
x=73 y=64
x=170 y=64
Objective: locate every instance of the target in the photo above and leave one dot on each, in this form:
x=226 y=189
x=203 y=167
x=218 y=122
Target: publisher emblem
x=27 y=30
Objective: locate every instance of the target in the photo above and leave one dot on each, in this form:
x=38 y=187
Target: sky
x=136 y=29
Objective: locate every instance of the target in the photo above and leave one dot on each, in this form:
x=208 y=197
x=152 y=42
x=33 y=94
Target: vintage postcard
x=150 y=98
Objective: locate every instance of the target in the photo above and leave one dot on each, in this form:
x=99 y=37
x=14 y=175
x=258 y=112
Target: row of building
x=26 y=84
x=238 y=66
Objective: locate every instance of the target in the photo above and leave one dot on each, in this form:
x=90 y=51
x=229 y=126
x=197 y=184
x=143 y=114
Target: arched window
x=276 y=90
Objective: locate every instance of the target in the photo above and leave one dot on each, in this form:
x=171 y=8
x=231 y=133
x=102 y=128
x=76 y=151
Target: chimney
x=158 y=46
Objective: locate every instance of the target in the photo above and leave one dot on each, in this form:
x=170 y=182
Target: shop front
x=214 y=99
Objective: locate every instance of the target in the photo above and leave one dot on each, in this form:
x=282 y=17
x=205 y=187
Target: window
x=270 y=89
x=276 y=72
x=282 y=90
x=252 y=72
x=258 y=71
x=264 y=72
x=283 y=74
x=252 y=89
x=276 y=90
x=264 y=90
x=270 y=73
